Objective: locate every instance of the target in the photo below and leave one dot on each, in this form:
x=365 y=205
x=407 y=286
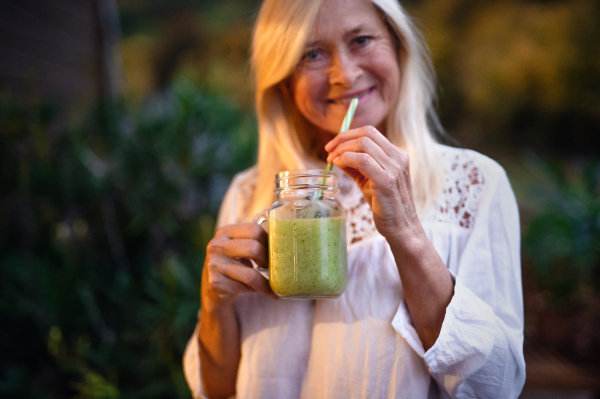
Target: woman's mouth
x=347 y=98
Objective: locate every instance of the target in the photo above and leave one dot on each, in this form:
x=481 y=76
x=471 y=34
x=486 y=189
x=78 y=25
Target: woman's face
x=350 y=53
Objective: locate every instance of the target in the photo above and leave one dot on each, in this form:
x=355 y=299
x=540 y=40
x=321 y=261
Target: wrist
x=213 y=305
x=211 y=322
x=416 y=258
x=411 y=242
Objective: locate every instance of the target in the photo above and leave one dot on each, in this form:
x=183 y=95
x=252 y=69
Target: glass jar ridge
x=309 y=184
x=306 y=178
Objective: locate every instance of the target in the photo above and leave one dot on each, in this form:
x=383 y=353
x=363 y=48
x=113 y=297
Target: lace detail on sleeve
x=459 y=200
x=359 y=216
x=457 y=203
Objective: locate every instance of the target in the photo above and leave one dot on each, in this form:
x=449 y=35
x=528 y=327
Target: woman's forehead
x=337 y=17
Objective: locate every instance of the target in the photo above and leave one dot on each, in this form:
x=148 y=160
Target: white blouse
x=362 y=344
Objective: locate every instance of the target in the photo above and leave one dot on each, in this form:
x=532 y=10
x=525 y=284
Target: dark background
x=122 y=123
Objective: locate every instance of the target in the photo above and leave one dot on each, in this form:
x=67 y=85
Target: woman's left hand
x=381 y=171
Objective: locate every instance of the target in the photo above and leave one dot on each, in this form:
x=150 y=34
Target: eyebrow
x=354 y=31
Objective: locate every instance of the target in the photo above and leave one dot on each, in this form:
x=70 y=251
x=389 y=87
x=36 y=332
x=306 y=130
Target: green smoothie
x=307 y=257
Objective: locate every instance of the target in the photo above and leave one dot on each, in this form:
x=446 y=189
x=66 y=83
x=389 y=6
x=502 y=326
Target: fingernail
x=328 y=146
x=335 y=160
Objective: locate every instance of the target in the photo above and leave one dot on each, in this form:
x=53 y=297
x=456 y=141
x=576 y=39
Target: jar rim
x=304 y=173
x=305 y=178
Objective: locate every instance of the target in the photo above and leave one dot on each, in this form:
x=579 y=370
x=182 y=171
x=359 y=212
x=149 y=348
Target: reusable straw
x=346 y=123
x=345 y=126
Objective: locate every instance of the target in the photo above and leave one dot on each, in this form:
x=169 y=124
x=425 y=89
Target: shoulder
x=471 y=165
x=245 y=180
x=238 y=197
x=469 y=177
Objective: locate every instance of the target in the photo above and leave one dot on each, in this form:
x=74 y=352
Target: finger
x=362 y=144
x=250 y=277
x=362 y=162
x=353 y=173
x=365 y=131
x=227 y=288
x=246 y=249
x=247 y=230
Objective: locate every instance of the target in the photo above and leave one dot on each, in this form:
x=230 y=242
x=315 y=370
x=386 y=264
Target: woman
x=433 y=307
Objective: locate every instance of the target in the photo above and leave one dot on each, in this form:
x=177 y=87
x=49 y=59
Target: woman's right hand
x=227 y=268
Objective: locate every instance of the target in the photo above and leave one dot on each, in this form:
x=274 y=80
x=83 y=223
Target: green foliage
x=102 y=234
x=563 y=239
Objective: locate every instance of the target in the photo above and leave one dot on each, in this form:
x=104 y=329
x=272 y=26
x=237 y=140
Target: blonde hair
x=280 y=34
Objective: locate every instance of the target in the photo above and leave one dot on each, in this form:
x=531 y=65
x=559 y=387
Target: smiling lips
x=347 y=98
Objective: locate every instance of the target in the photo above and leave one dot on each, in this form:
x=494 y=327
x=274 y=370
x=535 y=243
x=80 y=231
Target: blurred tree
x=562 y=246
x=102 y=237
x=516 y=74
x=206 y=42
x=61 y=51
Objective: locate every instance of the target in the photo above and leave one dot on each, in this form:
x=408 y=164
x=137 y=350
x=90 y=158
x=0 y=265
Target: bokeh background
x=123 y=121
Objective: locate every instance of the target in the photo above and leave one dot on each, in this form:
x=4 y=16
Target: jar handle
x=259 y=219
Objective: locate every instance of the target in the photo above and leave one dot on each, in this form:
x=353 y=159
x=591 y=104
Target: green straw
x=346 y=123
x=345 y=126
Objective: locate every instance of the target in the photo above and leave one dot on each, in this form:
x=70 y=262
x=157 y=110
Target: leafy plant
x=102 y=234
x=563 y=239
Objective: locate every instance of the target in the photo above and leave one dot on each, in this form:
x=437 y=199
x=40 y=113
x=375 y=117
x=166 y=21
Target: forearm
x=226 y=275
x=427 y=284
x=218 y=339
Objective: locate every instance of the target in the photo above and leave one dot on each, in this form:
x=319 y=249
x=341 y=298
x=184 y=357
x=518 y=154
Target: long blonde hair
x=280 y=34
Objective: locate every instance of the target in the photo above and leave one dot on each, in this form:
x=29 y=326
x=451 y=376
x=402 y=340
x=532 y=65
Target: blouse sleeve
x=479 y=352
x=231 y=212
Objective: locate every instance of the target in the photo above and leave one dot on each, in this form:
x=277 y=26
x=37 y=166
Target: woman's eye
x=310 y=55
x=361 y=40
x=314 y=58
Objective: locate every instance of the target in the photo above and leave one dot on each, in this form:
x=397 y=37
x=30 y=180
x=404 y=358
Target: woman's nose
x=344 y=70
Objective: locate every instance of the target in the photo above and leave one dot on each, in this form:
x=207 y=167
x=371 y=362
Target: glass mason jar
x=307 y=236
